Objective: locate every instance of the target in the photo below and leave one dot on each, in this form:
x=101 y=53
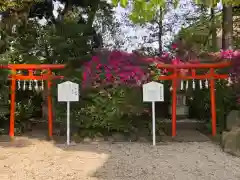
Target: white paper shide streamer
x=24 y=85
x=186 y=85
x=30 y=85
x=42 y=87
x=193 y=84
x=206 y=83
x=200 y=84
x=182 y=84
x=229 y=81
x=36 y=85
x=19 y=84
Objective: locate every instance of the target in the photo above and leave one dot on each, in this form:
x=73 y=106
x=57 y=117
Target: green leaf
x=115 y=2
x=158 y=3
x=124 y=3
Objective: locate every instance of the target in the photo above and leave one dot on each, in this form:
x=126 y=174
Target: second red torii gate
x=193 y=67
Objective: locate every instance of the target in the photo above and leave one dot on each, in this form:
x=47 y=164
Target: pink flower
x=236 y=53
x=174 y=46
x=95 y=59
x=98 y=66
x=84 y=76
x=165 y=54
x=228 y=54
x=165 y=71
x=108 y=76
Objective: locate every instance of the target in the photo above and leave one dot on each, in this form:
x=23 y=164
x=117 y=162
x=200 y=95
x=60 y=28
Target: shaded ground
x=28 y=159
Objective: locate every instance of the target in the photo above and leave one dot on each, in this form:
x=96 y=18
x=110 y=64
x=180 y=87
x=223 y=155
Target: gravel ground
x=33 y=159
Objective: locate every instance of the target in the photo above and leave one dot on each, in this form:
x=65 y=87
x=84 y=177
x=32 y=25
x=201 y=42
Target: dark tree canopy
x=44 y=9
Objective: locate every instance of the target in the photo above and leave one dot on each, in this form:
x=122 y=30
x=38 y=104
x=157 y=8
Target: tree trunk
x=227 y=27
x=160 y=32
x=214 y=30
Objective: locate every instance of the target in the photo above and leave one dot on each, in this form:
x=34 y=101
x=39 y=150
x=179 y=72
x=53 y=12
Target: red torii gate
x=48 y=76
x=193 y=67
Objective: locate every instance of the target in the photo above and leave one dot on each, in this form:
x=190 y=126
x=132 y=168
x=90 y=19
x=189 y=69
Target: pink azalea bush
x=112 y=93
x=117 y=67
x=234 y=57
x=112 y=90
x=130 y=69
x=121 y=68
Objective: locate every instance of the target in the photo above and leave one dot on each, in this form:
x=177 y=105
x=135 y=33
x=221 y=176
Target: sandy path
x=29 y=159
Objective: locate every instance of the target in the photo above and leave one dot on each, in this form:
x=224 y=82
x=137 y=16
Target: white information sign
x=68 y=92
x=153 y=92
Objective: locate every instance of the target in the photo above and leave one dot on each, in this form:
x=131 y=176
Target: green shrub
x=105 y=109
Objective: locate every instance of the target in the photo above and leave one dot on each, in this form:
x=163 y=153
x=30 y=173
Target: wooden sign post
x=68 y=92
x=153 y=92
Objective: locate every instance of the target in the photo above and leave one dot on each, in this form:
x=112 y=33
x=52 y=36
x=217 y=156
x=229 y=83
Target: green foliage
x=4 y=103
x=197 y=36
x=105 y=109
x=15 y=4
x=145 y=10
x=112 y=108
x=155 y=72
x=200 y=105
x=65 y=42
